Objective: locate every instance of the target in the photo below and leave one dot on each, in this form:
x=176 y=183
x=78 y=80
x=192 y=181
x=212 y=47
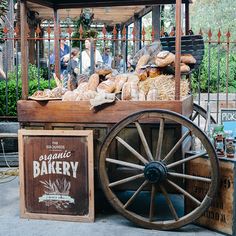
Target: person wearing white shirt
x=86 y=59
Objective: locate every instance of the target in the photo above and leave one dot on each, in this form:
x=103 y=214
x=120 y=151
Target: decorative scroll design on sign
x=56 y=193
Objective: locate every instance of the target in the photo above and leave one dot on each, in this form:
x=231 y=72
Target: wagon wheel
x=199 y=112
x=156 y=172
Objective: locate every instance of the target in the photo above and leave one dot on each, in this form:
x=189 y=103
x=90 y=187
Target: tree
x=214 y=14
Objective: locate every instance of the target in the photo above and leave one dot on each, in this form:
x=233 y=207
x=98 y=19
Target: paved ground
x=107 y=224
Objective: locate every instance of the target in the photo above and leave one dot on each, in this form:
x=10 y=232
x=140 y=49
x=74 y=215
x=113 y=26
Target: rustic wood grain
x=79 y=112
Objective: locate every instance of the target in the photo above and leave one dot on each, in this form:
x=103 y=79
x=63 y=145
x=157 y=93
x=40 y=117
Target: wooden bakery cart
x=139 y=147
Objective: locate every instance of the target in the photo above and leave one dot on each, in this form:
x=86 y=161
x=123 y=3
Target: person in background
x=64 y=49
x=86 y=57
x=120 y=63
x=107 y=59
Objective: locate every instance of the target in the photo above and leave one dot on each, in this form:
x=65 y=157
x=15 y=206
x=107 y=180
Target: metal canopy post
x=24 y=47
x=187 y=23
x=156 y=21
x=177 y=48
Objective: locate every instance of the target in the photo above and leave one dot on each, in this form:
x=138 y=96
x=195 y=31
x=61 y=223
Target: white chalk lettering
x=44 y=169
x=55 y=156
x=36 y=170
x=74 y=166
x=66 y=168
x=58 y=167
x=55 y=167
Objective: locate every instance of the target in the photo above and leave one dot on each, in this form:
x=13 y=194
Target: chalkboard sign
x=56 y=174
x=228 y=119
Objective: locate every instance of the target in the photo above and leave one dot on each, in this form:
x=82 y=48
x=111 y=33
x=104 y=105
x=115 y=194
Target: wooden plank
x=79 y=112
x=91 y=3
x=57 y=166
x=24 y=46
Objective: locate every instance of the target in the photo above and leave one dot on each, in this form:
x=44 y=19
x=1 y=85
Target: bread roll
x=141 y=95
x=93 y=82
x=164 y=59
x=143 y=76
x=86 y=96
x=188 y=59
x=134 y=91
x=132 y=77
x=153 y=71
x=152 y=95
x=184 y=68
x=142 y=61
x=69 y=96
x=107 y=86
x=83 y=87
x=126 y=92
x=119 y=82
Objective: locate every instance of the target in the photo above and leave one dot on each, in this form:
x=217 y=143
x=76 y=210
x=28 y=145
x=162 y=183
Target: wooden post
x=56 y=42
x=187 y=23
x=177 y=49
x=137 y=26
x=24 y=46
x=156 y=21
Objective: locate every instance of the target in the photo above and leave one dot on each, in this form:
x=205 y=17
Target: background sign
x=56 y=174
x=228 y=119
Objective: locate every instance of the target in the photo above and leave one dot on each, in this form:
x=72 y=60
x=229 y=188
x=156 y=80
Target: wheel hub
x=155 y=172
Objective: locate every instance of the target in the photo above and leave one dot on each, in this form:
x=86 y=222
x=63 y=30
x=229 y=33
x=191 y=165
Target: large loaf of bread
x=164 y=58
x=93 y=82
x=142 y=61
x=107 y=86
x=119 y=82
x=188 y=59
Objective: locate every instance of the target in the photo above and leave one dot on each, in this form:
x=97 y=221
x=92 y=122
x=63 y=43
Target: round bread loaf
x=162 y=61
x=188 y=59
x=184 y=68
x=152 y=95
x=107 y=86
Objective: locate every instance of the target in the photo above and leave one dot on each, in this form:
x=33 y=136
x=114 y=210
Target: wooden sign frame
x=31 y=161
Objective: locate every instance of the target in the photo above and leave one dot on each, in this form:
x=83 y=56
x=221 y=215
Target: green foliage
x=32 y=73
x=10 y=87
x=3 y=11
x=85 y=22
x=203 y=76
x=214 y=14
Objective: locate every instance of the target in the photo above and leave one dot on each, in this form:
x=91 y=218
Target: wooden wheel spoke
x=194 y=116
x=186 y=160
x=122 y=181
x=188 y=195
x=144 y=141
x=169 y=203
x=178 y=175
x=135 y=194
x=160 y=140
x=175 y=148
x=132 y=150
x=124 y=163
x=152 y=202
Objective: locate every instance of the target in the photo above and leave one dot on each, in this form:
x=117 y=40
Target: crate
x=221 y=215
